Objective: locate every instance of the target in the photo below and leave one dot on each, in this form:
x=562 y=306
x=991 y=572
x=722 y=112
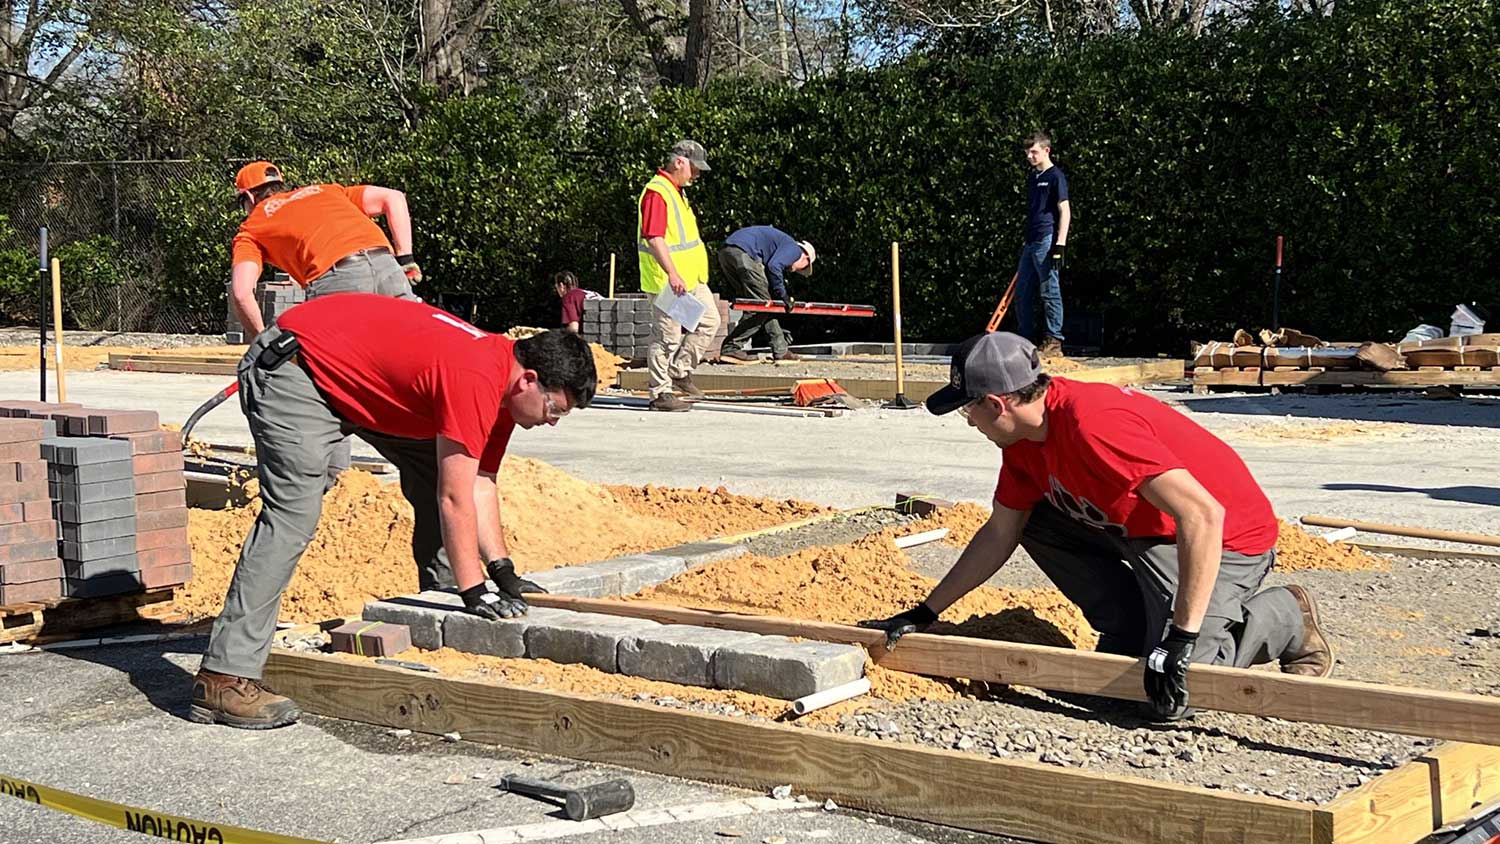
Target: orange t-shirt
x=308 y=230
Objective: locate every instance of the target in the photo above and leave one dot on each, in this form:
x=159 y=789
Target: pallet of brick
x=23 y=409
x=29 y=566
x=160 y=506
x=92 y=480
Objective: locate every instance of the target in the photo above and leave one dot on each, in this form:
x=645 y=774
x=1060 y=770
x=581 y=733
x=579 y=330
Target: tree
x=679 y=37
x=45 y=57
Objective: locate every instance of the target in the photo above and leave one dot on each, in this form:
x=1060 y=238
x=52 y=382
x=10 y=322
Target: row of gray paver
x=775 y=666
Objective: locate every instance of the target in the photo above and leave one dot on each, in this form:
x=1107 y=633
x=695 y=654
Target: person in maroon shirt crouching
x=434 y=395
x=1149 y=523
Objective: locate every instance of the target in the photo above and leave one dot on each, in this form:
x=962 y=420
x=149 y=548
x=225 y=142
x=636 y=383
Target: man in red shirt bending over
x=435 y=396
x=1150 y=524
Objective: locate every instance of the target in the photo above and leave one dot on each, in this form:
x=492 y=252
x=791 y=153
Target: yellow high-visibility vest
x=683 y=242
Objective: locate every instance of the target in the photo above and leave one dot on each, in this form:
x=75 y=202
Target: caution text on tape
x=144 y=821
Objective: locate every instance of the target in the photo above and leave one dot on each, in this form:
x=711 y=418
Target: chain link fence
x=108 y=223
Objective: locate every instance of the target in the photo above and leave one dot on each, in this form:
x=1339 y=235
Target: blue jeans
x=1036 y=285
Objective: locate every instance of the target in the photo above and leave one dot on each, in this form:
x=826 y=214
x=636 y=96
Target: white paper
x=686 y=309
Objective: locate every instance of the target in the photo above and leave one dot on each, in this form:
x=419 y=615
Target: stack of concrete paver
x=623 y=325
x=161 y=516
x=95 y=493
x=30 y=569
x=274 y=296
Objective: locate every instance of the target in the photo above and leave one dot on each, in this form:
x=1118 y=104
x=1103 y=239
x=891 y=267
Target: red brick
x=25 y=532
x=21 y=430
x=26 y=552
x=12 y=491
x=159 y=519
x=159 y=482
x=371 y=638
x=24 y=409
x=48 y=569
x=30 y=470
x=37 y=510
x=20 y=593
x=12 y=513
x=156 y=558
x=166 y=575
x=71 y=422
x=150 y=464
x=13 y=452
x=122 y=421
x=151 y=442
x=145 y=540
x=149 y=501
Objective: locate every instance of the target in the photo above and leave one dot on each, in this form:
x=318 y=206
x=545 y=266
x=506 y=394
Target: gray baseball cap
x=692 y=151
x=994 y=363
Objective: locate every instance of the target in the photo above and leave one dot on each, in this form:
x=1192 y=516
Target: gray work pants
x=747 y=280
x=295 y=433
x=367 y=271
x=1125 y=588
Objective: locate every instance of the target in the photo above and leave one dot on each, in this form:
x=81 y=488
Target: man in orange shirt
x=323 y=237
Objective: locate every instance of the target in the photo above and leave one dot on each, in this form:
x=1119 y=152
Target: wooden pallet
x=1246 y=378
x=29 y=621
x=1024 y=799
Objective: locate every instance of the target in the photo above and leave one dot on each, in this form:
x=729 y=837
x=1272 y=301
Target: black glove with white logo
x=1058 y=255
x=480 y=601
x=1166 y=674
x=914 y=620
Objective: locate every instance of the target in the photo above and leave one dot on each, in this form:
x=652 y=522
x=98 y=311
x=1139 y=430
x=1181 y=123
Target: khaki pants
x=673 y=355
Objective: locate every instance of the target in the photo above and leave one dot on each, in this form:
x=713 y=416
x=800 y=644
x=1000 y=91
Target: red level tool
x=769 y=306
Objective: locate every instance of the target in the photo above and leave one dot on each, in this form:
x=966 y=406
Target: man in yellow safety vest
x=672 y=254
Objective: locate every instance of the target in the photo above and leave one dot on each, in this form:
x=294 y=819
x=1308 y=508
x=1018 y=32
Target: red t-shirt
x=408 y=370
x=1103 y=441
x=307 y=231
x=654 y=211
x=572 y=306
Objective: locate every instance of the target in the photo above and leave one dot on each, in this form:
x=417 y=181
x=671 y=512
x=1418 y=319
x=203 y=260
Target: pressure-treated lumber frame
x=1010 y=797
x=1345 y=703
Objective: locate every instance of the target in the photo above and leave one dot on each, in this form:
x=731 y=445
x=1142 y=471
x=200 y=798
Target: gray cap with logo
x=692 y=151
x=994 y=363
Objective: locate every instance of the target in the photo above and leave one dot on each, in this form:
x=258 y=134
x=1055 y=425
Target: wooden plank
x=1009 y=797
x=141 y=365
x=1345 y=703
x=1442 y=377
x=1427 y=553
x=70 y=614
x=1407 y=804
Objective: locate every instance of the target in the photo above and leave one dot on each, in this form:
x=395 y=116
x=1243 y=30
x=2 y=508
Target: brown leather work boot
x=239 y=702
x=669 y=403
x=1315 y=657
x=686 y=386
x=1051 y=348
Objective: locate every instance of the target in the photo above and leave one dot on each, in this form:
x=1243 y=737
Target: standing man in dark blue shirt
x=1047 y=218
x=756 y=260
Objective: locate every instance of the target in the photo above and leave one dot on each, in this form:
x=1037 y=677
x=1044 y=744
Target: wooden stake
x=1403 y=530
x=57 y=331
x=611 y=275
x=900 y=402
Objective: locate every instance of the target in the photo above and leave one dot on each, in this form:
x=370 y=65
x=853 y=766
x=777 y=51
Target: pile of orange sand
x=1298 y=550
x=606 y=365
x=74 y=357
x=362 y=549
x=713 y=512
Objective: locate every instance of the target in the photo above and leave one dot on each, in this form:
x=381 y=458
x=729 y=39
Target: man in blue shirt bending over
x=756 y=260
x=1048 y=216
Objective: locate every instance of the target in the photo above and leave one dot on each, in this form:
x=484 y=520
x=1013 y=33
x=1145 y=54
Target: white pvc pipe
x=828 y=697
x=1340 y=535
x=921 y=538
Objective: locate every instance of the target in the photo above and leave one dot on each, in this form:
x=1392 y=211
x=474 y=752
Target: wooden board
x=135 y=363
x=1407 y=804
x=885 y=388
x=1427 y=553
x=1345 y=703
x=1009 y=797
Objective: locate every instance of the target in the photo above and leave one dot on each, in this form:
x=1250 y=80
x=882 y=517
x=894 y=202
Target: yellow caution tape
x=359 y=648
x=144 y=821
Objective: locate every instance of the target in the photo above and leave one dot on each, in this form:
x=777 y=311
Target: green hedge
x=1370 y=139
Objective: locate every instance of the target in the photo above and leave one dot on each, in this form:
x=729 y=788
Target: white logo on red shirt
x=274 y=203
x=1081 y=509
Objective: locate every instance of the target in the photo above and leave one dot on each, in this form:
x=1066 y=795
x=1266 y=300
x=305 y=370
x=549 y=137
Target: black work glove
x=480 y=601
x=1058 y=255
x=914 y=620
x=788 y=302
x=1166 y=674
x=409 y=266
x=503 y=573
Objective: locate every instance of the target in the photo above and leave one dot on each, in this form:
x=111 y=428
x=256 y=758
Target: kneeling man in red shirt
x=434 y=395
x=1149 y=523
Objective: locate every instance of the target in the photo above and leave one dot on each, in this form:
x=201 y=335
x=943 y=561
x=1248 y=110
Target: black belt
x=377 y=250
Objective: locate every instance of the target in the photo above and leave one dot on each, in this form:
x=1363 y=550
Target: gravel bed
x=838 y=531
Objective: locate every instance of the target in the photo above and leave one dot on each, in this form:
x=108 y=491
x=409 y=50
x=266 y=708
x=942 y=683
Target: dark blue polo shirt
x=772 y=247
x=1043 y=193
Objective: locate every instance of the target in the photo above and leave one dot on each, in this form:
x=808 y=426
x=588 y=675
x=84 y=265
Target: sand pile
x=962 y=520
x=869 y=578
x=74 y=357
x=1298 y=550
x=362 y=549
x=1293 y=432
x=713 y=512
x=606 y=363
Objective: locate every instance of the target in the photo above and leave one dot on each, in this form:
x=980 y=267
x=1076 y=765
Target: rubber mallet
x=581 y=804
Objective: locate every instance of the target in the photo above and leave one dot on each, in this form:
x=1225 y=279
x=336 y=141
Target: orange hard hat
x=255 y=174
